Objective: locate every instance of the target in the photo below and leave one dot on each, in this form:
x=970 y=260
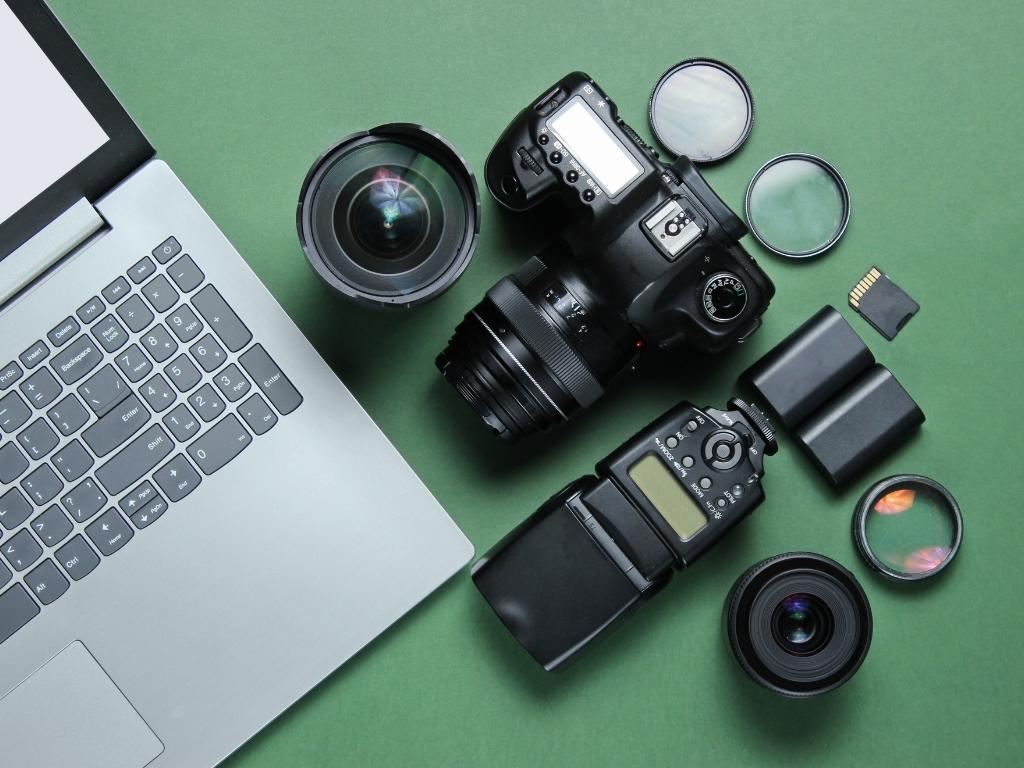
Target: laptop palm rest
x=69 y=712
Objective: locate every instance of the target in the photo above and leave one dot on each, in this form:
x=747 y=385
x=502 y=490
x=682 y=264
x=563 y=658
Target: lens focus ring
x=545 y=341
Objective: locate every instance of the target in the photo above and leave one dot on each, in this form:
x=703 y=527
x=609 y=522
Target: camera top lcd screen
x=667 y=495
x=600 y=153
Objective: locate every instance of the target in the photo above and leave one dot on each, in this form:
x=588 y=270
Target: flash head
x=605 y=544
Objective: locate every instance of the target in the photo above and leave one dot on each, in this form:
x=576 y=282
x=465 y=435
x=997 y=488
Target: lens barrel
x=798 y=624
x=538 y=348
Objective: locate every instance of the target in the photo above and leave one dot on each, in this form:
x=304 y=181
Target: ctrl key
x=47 y=582
x=77 y=558
x=17 y=608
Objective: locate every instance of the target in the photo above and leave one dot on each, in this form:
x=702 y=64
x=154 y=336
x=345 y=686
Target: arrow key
x=177 y=478
x=21 y=550
x=46 y=582
x=109 y=532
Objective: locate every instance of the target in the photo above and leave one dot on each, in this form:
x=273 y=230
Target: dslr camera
x=648 y=257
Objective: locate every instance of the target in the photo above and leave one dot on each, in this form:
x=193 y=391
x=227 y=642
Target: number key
x=207 y=403
x=184 y=323
x=208 y=353
x=183 y=373
x=158 y=393
x=182 y=423
x=133 y=364
x=159 y=343
x=232 y=383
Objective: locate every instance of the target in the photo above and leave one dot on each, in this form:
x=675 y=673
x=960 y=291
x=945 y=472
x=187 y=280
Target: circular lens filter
x=908 y=527
x=702 y=109
x=797 y=205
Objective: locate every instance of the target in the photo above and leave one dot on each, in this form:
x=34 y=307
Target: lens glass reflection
x=910 y=529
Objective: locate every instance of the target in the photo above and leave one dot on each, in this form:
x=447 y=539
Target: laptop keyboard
x=117 y=412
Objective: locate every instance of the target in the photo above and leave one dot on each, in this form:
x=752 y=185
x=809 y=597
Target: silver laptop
x=198 y=522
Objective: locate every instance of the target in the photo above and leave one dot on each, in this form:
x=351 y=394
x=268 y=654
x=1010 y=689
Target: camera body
x=651 y=238
x=605 y=544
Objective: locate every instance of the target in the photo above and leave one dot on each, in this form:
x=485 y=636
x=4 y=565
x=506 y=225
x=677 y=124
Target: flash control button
x=691 y=426
x=705 y=483
x=723 y=450
x=687 y=461
x=737 y=490
x=671 y=442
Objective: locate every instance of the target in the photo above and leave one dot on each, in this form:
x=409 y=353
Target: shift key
x=270 y=379
x=135 y=460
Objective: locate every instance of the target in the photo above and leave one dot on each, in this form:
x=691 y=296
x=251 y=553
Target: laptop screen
x=63 y=135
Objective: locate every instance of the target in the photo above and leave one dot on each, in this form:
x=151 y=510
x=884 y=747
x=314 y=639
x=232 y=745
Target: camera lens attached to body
x=701 y=109
x=798 y=624
x=908 y=527
x=389 y=217
x=797 y=206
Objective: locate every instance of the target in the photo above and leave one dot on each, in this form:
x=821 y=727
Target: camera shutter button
x=723 y=450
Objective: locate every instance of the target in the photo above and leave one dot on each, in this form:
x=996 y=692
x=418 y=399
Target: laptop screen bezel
x=125 y=151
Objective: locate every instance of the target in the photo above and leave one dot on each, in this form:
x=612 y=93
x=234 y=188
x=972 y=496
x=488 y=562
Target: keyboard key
x=5 y=575
x=232 y=383
x=185 y=274
x=72 y=461
x=110 y=334
x=41 y=388
x=77 y=558
x=183 y=373
x=135 y=314
x=158 y=393
x=84 y=501
x=184 y=323
x=270 y=379
x=160 y=293
x=142 y=269
x=77 y=360
x=135 y=460
x=104 y=390
x=47 y=582
x=110 y=532
x=183 y=423
x=257 y=414
x=9 y=374
x=17 y=609
x=42 y=485
x=38 y=439
x=14 y=509
x=91 y=310
x=159 y=344
x=134 y=364
x=167 y=250
x=221 y=318
x=116 y=291
x=177 y=479
x=69 y=415
x=127 y=418
x=12 y=463
x=52 y=526
x=34 y=355
x=64 y=332
x=220 y=444
x=22 y=550
x=208 y=353
x=207 y=403
x=14 y=413
x=149 y=511
x=143 y=496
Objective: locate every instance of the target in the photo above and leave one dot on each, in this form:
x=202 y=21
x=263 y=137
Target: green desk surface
x=918 y=105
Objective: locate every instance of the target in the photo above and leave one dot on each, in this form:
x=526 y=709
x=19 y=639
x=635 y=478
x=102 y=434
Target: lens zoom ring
x=546 y=342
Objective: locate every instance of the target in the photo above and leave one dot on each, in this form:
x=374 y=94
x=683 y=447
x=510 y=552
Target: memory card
x=881 y=302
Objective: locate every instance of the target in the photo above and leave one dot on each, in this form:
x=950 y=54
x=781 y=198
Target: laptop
x=198 y=522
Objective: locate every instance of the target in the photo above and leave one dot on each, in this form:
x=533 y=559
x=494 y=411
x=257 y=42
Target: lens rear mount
x=799 y=624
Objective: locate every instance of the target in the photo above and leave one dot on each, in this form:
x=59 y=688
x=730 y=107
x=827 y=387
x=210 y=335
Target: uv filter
x=701 y=108
x=908 y=527
x=797 y=205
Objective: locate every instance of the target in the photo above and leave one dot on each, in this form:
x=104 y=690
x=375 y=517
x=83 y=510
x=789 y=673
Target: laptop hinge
x=51 y=244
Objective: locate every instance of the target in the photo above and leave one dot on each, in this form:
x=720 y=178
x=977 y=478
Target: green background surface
x=919 y=108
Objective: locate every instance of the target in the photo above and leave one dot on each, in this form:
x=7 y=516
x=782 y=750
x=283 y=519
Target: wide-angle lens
x=389 y=217
x=798 y=623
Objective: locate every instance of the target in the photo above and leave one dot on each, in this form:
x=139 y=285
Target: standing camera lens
x=389 y=217
x=799 y=624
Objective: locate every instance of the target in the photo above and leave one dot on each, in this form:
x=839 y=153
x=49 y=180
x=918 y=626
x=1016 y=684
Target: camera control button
x=556 y=157
x=723 y=450
x=671 y=442
x=687 y=461
x=705 y=483
x=720 y=502
x=588 y=195
x=572 y=177
x=737 y=491
x=691 y=426
x=543 y=138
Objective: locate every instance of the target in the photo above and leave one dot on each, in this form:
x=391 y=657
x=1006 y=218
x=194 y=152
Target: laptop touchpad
x=70 y=713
